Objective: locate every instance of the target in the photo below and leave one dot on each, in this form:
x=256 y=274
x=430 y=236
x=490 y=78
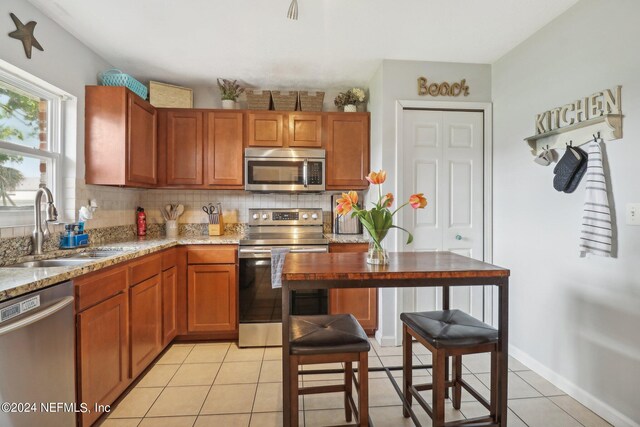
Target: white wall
x=397 y=80
x=574 y=320
x=69 y=65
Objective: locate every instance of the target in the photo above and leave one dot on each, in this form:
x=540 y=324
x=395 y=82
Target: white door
x=443 y=158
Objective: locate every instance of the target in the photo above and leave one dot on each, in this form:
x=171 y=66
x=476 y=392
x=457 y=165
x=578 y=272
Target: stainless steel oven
x=284 y=169
x=299 y=230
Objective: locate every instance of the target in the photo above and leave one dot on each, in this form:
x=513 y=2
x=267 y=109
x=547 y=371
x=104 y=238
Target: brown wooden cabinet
x=212 y=298
x=120 y=138
x=347 y=145
x=146 y=323
x=305 y=130
x=224 y=150
x=266 y=129
x=169 y=304
x=184 y=147
x=362 y=303
x=103 y=354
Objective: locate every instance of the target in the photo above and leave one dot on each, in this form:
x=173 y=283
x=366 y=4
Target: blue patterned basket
x=115 y=77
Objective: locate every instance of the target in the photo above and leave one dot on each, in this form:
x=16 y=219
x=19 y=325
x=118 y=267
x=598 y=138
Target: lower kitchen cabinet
x=169 y=305
x=146 y=323
x=212 y=298
x=103 y=354
x=362 y=303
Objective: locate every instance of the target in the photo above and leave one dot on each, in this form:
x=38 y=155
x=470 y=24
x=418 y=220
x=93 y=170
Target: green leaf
x=409 y=237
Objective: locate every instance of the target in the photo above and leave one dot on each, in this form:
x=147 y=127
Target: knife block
x=217 y=229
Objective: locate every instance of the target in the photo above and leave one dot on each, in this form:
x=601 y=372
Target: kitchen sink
x=59 y=262
x=95 y=254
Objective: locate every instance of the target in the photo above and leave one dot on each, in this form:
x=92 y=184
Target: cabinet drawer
x=168 y=259
x=144 y=269
x=213 y=255
x=96 y=287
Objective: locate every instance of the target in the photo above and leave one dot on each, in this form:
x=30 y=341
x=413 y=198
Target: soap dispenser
x=67 y=240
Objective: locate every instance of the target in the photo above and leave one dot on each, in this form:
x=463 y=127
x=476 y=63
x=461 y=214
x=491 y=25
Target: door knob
x=458 y=237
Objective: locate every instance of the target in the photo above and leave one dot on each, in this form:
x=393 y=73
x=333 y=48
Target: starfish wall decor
x=24 y=33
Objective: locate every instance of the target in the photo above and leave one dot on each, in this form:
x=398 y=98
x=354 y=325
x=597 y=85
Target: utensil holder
x=171 y=228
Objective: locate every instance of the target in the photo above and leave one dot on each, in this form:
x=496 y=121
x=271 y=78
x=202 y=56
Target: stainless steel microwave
x=284 y=169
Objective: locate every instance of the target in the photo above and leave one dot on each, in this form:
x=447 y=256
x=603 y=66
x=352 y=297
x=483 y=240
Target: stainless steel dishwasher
x=37 y=346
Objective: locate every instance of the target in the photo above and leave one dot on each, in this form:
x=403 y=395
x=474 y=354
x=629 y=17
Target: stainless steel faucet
x=39 y=236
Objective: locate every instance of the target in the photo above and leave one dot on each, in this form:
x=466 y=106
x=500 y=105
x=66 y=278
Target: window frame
x=55 y=119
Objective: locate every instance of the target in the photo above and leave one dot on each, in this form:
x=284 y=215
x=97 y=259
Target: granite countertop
x=346 y=238
x=18 y=281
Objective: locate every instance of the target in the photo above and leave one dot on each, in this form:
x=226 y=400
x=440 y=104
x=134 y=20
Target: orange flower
x=346 y=202
x=418 y=201
x=387 y=200
x=377 y=177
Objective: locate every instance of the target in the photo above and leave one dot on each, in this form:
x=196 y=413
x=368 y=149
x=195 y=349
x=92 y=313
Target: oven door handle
x=305 y=173
x=266 y=252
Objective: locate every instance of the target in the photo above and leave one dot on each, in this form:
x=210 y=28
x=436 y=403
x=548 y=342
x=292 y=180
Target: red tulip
x=387 y=200
x=377 y=177
x=346 y=202
x=418 y=201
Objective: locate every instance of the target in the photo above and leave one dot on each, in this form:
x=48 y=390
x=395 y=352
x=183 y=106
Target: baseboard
x=388 y=341
x=604 y=410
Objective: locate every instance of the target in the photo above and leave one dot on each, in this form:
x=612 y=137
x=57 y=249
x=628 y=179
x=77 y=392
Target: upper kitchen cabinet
x=224 y=150
x=200 y=149
x=182 y=141
x=120 y=138
x=305 y=130
x=266 y=129
x=347 y=145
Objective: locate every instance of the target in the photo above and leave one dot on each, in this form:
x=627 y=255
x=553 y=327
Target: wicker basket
x=285 y=100
x=115 y=77
x=163 y=95
x=311 y=102
x=258 y=99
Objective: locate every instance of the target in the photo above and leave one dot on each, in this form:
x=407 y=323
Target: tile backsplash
x=116 y=206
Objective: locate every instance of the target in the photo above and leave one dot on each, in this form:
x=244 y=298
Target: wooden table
x=405 y=269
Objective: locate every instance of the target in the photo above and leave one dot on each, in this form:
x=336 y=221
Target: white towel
x=277 y=262
x=595 y=237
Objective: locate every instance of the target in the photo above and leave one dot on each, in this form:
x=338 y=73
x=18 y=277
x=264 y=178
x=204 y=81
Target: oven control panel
x=307 y=216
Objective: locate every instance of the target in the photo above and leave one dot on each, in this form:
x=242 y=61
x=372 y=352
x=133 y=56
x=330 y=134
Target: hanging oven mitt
x=566 y=168
x=577 y=177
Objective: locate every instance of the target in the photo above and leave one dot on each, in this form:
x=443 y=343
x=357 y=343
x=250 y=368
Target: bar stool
x=330 y=339
x=448 y=333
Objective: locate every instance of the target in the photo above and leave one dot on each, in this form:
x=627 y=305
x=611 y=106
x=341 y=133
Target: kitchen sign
x=442 y=89
x=597 y=105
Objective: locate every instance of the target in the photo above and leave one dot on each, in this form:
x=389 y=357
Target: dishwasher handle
x=39 y=315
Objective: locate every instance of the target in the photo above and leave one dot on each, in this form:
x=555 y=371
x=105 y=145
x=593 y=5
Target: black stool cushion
x=450 y=328
x=325 y=334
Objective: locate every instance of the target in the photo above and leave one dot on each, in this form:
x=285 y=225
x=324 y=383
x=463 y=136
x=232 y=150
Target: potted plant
x=229 y=92
x=379 y=219
x=350 y=99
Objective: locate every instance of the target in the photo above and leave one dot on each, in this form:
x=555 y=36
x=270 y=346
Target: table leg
x=503 y=350
x=446 y=304
x=286 y=375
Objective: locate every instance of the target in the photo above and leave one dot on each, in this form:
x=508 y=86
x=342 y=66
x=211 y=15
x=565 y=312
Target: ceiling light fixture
x=293 y=10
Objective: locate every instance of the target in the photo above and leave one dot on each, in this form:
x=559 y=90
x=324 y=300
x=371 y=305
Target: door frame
x=487 y=109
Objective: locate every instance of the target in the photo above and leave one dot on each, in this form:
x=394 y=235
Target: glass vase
x=377 y=255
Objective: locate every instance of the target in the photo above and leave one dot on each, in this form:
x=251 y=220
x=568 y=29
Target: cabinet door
x=142 y=151
x=265 y=130
x=103 y=355
x=224 y=149
x=305 y=130
x=362 y=303
x=146 y=323
x=212 y=298
x=169 y=305
x=347 y=151
x=185 y=147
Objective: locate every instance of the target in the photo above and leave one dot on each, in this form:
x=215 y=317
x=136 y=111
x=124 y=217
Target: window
x=30 y=151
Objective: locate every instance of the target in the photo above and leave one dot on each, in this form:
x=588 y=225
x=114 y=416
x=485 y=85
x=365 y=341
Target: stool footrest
x=473 y=392
x=337 y=388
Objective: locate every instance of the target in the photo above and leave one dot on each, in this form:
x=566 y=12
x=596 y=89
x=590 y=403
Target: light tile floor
x=220 y=385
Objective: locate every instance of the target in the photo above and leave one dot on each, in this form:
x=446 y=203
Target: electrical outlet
x=633 y=213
